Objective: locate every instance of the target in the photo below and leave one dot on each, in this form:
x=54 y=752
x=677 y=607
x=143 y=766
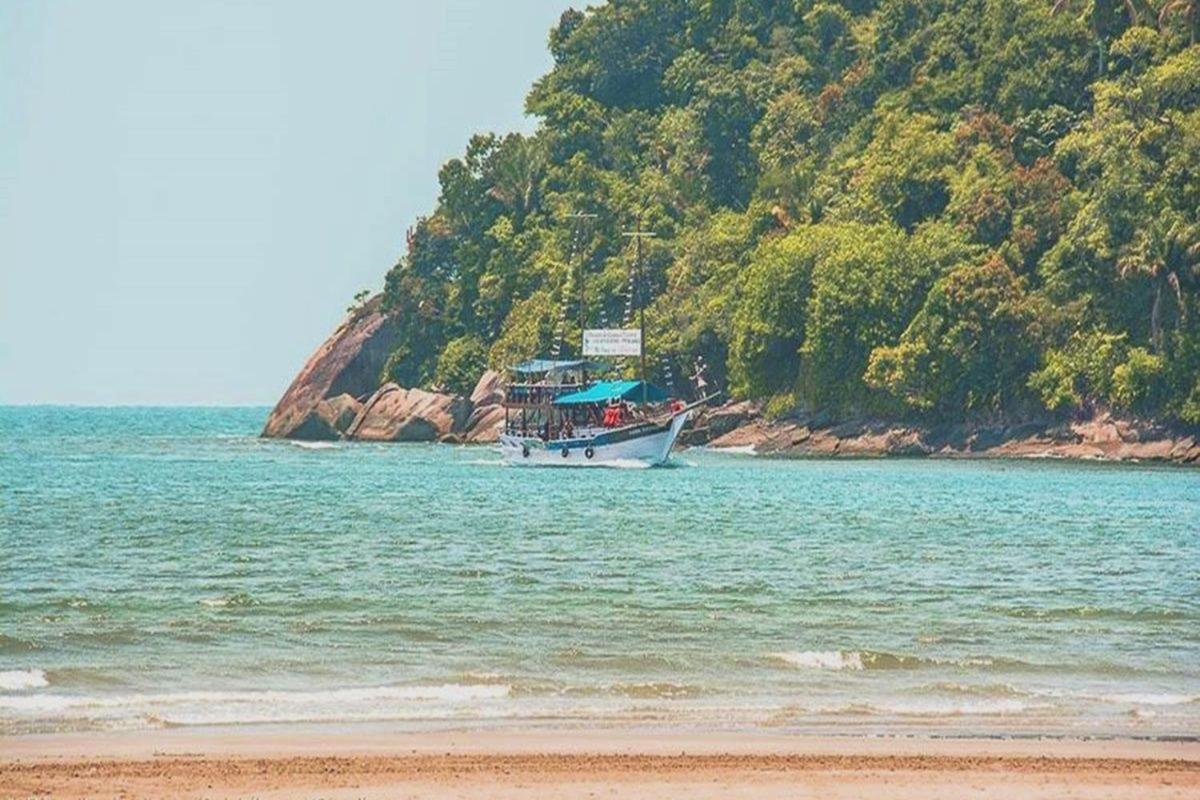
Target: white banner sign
x=612 y=342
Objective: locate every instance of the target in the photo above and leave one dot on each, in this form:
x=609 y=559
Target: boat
x=558 y=413
x=556 y=416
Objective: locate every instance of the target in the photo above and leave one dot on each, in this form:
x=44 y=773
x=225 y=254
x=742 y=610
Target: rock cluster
x=337 y=394
x=1102 y=437
x=342 y=373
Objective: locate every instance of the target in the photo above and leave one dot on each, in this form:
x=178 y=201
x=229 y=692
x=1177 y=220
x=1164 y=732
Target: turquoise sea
x=165 y=567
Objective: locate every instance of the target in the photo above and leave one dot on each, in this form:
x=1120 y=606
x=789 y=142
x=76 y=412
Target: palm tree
x=1188 y=9
x=515 y=171
x=1167 y=251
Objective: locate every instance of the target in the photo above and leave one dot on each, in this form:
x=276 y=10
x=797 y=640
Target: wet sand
x=371 y=762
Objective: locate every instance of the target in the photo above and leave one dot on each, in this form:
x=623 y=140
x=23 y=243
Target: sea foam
x=450 y=692
x=1151 y=698
x=822 y=659
x=15 y=680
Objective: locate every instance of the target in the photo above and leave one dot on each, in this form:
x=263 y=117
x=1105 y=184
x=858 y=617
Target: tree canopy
x=907 y=207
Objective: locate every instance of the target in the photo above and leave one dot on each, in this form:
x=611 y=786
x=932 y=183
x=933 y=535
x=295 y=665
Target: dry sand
x=372 y=762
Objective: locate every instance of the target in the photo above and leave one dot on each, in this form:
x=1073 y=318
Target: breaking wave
x=858 y=660
x=15 y=680
x=263 y=706
x=818 y=659
x=314 y=445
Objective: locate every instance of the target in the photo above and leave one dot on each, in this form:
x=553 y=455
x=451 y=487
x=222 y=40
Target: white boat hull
x=648 y=444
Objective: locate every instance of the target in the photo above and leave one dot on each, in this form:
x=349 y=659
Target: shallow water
x=166 y=567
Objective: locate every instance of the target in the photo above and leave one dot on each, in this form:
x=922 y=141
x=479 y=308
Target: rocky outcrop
x=489 y=390
x=487 y=409
x=347 y=363
x=1102 y=438
x=396 y=414
x=330 y=419
x=713 y=423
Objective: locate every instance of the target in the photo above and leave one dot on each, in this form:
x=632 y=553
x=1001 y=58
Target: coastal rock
x=483 y=426
x=339 y=412
x=1101 y=438
x=694 y=436
x=725 y=418
x=396 y=414
x=816 y=442
x=329 y=419
x=487 y=410
x=348 y=362
x=754 y=434
x=489 y=391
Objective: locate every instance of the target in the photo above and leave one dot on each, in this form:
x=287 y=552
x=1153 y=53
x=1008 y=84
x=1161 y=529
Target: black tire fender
x=589 y=452
x=525 y=450
x=565 y=452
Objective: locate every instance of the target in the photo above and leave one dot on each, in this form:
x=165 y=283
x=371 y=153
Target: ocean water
x=165 y=567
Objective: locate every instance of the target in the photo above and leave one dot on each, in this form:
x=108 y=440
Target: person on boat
x=698 y=378
x=612 y=415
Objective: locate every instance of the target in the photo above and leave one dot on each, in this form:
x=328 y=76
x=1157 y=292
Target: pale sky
x=191 y=192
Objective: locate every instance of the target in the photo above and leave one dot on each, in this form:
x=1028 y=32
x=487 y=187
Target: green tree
x=970 y=348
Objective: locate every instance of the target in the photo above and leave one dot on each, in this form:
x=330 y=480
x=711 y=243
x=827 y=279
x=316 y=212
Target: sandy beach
x=370 y=762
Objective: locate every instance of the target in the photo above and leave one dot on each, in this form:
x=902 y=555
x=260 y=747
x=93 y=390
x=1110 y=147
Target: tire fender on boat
x=589 y=452
x=566 y=452
x=525 y=451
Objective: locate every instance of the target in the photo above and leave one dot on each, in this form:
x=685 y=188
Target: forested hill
x=967 y=208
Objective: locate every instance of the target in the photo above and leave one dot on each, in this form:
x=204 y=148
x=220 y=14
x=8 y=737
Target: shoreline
x=374 y=761
x=740 y=427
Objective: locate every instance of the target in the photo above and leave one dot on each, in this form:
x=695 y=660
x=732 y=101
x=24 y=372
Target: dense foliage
x=979 y=207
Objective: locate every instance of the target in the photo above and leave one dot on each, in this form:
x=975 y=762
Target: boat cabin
x=551 y=399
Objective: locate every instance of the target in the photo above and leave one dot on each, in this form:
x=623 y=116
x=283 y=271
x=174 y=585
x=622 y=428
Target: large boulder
x=396 y=414
x=487 y=409
x=489 y=390
x=347 y=363
x=484 y=425
x=329 y=419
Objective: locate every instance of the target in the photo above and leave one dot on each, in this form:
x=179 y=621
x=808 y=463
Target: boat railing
x=537 y=394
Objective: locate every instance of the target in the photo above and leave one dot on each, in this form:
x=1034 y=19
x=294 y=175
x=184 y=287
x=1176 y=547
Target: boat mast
x=637 y=236
x=577 y=223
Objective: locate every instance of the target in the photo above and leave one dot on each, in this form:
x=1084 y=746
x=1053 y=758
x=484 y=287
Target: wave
x=1093 y=612
x=210 y=707
x=1007 y=690
x=1151 y=698
x=851 y=660
x=858 y=660
x=620 y=463
x=15 y=680
x=660 y=690
x=235 y=600
x=935 y=707
x=314 y=445
x=977 y=689
x=822 y=659
x=740 y=450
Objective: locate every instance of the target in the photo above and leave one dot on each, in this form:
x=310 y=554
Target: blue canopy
x=549 y=365
x=613 y=390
